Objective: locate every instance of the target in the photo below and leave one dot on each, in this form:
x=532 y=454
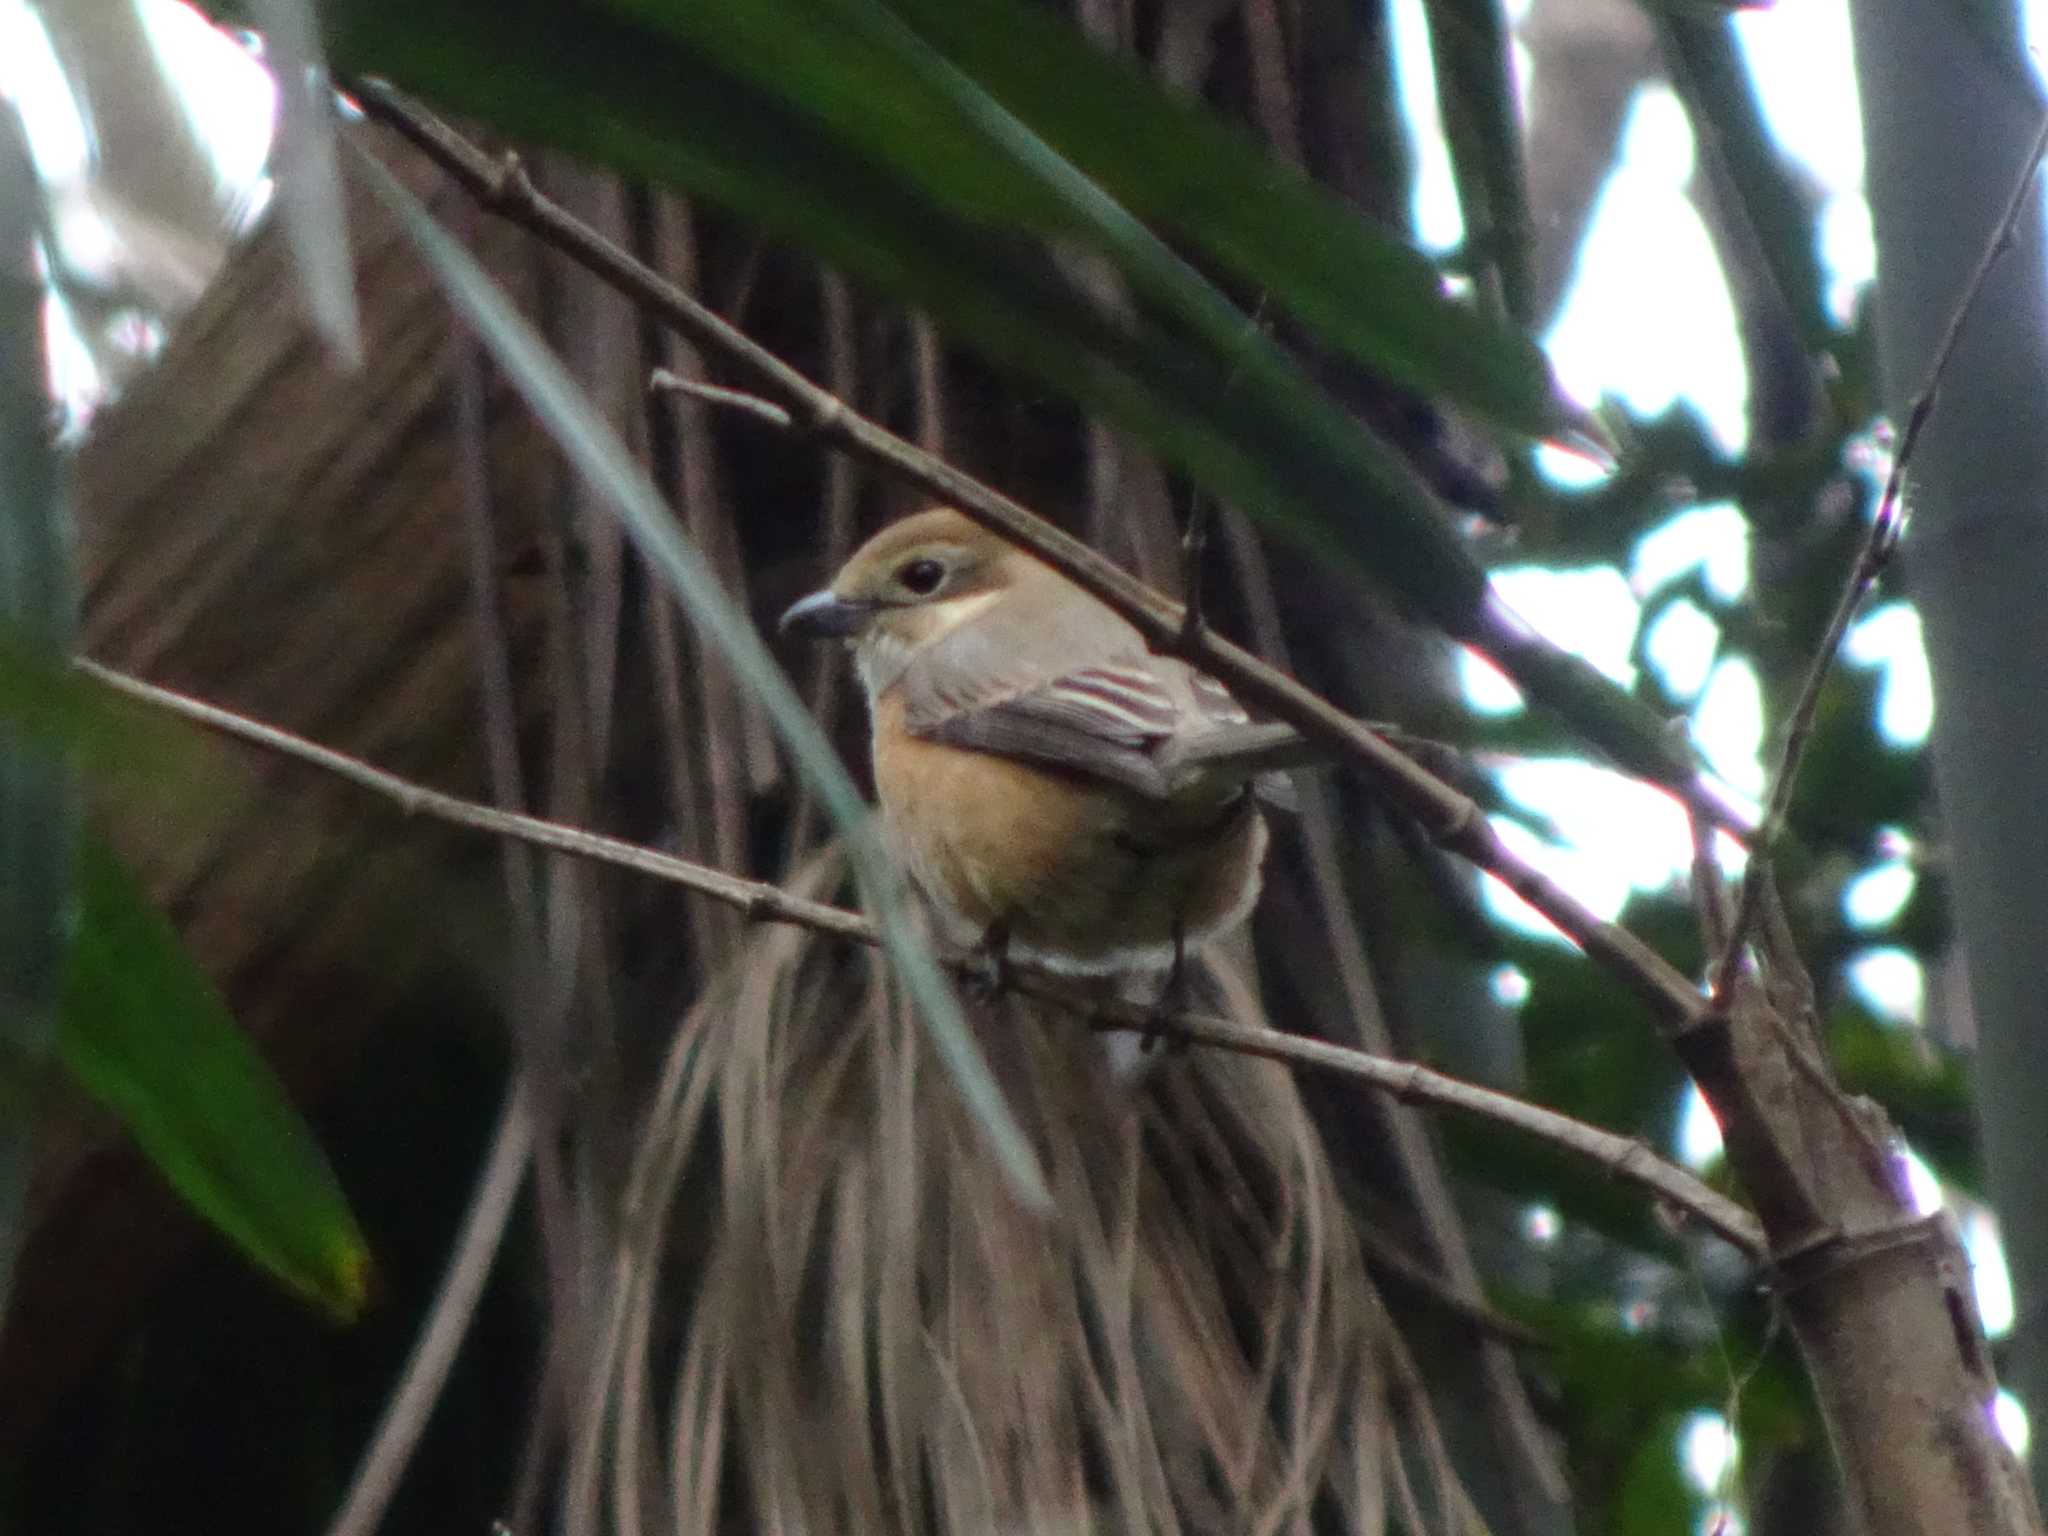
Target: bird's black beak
x=826 y=615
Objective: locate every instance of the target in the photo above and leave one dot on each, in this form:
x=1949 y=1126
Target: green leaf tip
x=145 y=1033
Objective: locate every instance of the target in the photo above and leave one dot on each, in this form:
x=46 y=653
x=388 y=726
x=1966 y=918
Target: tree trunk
x=1947 y=133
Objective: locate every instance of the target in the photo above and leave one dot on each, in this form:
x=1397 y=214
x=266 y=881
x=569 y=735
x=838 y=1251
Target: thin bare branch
x=717 y=394
x=1626 y=1158
x=455 y=1303
x=751 y=897
x=1876 y=554
x=1451 y=819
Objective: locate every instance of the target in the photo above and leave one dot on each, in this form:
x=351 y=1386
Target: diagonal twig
x=1451 y=819
x=1885 y=528
x=476 y=1246
x=1625 y=1158
x=751 y=897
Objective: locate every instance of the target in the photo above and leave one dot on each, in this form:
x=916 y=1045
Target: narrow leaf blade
x=309 y=175
x=37 y=804
x=1180 y=166
x=146 y=1034
x=591 y=446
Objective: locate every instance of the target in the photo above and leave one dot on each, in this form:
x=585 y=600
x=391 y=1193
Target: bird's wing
x=1150 y=724
x=1223 y=740
x=1104 y=721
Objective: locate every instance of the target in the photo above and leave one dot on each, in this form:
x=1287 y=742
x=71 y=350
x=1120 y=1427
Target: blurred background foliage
x=1361 y=208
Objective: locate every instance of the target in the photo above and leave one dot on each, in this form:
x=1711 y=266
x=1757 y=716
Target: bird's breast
x=1089 y=877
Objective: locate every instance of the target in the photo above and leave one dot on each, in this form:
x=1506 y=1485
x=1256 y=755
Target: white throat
x=880 y=657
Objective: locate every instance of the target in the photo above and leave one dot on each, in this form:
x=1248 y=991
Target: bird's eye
x=921 y=577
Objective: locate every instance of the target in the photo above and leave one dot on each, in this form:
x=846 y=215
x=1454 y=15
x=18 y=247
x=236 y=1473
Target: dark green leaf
x=1654 y=1495
x=1475 y=89
x=1851 y=780
x=1585 y=1197
x=37 y=603
x=1712 y=79
x=1628 y=1382
x=146 y=1034
x=1170 y=161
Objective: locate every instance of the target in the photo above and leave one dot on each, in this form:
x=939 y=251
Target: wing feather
x=1120 y=719
x=1103 y=722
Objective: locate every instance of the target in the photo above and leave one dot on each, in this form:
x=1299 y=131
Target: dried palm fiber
x=828 y=1314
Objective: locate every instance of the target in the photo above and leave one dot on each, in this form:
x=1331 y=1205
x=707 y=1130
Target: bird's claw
x=986 y=971
x=1171 y=1002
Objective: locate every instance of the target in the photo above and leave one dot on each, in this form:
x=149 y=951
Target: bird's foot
x=986 y=971
x=1171 y=1001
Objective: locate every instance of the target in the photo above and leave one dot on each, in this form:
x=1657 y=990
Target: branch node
x=1830 y=1252
x=1456 y=829
x=508 y=187
x=825 y=414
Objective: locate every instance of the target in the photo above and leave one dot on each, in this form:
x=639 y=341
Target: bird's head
x=909 y=586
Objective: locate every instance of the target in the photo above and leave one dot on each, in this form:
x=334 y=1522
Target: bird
x=1060 y=795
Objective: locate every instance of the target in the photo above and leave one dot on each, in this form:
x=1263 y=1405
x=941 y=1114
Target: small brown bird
x=1056 y=791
